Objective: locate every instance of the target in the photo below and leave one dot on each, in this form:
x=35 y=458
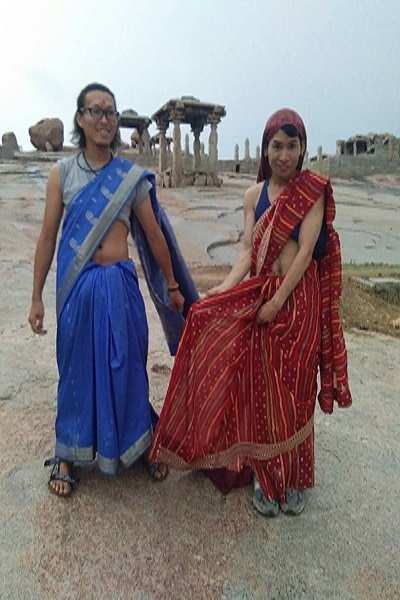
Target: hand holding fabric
x=218 y=289
x=268 y=311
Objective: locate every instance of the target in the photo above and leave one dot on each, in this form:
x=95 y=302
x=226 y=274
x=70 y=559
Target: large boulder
x=47 y=135
x=9 y=144
x=9 y=140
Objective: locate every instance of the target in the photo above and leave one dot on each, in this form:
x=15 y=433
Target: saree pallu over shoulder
x=88 y=218
x=333 y=362
x=333 y=359
x=171 y=321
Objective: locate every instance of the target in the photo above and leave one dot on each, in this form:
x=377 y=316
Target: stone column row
x=246 y=151
x=177 y=117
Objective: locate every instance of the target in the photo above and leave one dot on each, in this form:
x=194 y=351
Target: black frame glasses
x=98 y=113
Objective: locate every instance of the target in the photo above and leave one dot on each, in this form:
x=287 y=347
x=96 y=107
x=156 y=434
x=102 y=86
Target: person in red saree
x=241 y=398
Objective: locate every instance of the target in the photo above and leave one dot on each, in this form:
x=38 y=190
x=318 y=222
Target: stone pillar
x=213 y=145
x=340 y=147
x=162 y=162
x=258 y=154
x=203 y=157
x=140 y=142
x=354 y=148
x=236 y=154
x=247 y=149
x=177 y=170
x=187 y=149
x=146 y=141
x=187 y=164
x=196 y=147
x=390 y=149
x=393 y=148
x=319 y=153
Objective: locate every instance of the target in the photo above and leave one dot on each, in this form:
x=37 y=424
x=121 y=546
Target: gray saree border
x=109 y=466
x=88 y=247
x=74 y=454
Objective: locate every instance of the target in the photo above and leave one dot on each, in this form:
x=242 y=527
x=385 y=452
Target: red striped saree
x=242 y=395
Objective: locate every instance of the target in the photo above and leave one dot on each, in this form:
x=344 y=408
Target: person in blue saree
x=103 y=408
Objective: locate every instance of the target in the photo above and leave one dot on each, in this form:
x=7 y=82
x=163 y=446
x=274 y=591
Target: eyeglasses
x=98 y=113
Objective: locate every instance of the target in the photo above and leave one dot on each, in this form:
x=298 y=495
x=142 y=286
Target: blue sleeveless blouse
x=264 y=203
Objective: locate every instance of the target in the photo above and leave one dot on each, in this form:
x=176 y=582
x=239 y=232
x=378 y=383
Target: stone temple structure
x=359 y=156
x=384 y=144
x=188 y=110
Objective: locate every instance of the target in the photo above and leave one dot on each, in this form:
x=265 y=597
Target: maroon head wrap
x=282 y=117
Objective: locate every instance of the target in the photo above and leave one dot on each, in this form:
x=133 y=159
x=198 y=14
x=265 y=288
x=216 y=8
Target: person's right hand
x=36 y=317
x=177 y=300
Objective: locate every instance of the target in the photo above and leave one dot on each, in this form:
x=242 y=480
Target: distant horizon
x=126 y=133
x=125 y=136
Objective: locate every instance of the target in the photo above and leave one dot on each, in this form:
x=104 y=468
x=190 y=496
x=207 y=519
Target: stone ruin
x=385 y=145
x=197 y=169
x=9 y=145
x=246 y=165
x=359 y=156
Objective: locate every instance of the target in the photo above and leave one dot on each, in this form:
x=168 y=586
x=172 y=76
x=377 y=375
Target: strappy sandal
x=55 y=475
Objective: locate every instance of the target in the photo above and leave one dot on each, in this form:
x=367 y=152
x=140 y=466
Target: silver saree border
x=109 y=466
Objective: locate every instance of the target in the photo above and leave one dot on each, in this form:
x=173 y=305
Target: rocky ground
x=129 y=538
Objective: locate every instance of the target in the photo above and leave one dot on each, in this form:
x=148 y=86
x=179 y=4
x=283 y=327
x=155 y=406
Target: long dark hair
x=78 y=135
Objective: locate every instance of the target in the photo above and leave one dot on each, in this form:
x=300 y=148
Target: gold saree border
x=229 y=456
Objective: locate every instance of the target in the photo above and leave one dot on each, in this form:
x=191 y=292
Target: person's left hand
x=268 y=312
x=177 y=300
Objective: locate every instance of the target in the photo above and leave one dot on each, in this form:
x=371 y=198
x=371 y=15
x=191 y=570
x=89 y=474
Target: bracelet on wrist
x=173 y=288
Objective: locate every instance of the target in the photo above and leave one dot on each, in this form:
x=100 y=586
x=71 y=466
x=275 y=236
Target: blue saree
x=103 y=406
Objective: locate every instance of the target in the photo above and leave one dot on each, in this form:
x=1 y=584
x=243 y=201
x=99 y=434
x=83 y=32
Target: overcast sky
x=334 y=61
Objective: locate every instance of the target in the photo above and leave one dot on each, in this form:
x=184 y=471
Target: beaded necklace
x=88 y=168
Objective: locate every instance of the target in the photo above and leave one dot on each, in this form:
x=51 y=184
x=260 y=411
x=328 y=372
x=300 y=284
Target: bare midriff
x=283 y=263
x=114 y=246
